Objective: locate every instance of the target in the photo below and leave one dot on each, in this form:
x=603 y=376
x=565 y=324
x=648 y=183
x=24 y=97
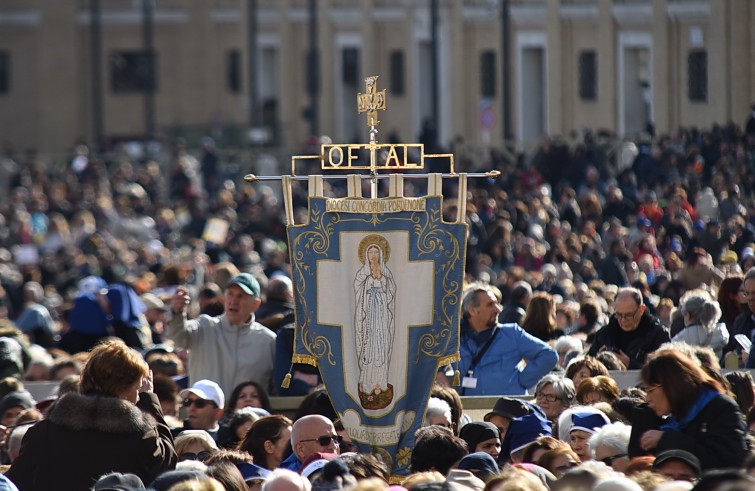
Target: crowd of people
x=157 y=296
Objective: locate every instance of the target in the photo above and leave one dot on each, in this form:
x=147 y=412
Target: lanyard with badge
x=470 y=381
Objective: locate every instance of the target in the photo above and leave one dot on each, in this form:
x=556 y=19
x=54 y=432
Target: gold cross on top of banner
x=372 y=101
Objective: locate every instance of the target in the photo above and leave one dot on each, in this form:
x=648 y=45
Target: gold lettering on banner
x=347 y=156
x=392 y=205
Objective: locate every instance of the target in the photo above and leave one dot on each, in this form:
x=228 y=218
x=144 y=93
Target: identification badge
x=469 y=382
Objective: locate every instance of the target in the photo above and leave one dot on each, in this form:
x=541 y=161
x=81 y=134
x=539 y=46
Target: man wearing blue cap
x=230 y=348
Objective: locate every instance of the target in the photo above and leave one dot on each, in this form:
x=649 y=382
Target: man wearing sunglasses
x=309 y=435
x=204 y=403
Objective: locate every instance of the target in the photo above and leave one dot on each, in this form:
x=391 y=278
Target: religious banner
x=378 y=287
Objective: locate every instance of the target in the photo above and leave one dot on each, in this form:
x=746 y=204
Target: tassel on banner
x=457 y=378
x=286 y=381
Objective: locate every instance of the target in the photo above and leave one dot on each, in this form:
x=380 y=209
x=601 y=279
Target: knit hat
x=481 y=464
x=252 y=472
x=525 y=430
x=315 y=462
x=677 y=454
x=478 y=431
x=466 y=479
x=118 y=482
x=16 y=399
x=588 y=420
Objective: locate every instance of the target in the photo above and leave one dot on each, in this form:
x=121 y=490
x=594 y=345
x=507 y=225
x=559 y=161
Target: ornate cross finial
x=371 y=101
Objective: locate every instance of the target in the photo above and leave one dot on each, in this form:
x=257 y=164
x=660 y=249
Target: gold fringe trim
x=447 y=360
x=306 y=359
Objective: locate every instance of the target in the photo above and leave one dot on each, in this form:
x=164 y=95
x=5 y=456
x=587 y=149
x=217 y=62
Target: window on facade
x=588 y=75
x=350 y=58
x=234 y=71
x=4 y=72
x=487 y=74
x=397 y=72
x=697 y=76
x=133 y=71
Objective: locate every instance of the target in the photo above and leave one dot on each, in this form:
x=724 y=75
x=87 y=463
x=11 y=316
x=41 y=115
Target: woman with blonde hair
x=194 y=445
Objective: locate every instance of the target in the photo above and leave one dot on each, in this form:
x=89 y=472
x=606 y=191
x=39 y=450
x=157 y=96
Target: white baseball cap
x=207 y=390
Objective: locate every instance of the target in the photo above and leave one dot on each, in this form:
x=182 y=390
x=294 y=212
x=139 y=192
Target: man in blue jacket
x=492 y=353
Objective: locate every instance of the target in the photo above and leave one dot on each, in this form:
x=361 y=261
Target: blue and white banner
x=378 y=286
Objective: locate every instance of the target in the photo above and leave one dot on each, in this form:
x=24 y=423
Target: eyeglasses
x=199 y=403
x=200 y=456
x=609 y=460
x=747 y=293
x=625 y=317
x=649 y=390
x=324 y=441
x=546 y=397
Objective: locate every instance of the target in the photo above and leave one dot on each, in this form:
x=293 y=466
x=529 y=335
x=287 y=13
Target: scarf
x=700 y=403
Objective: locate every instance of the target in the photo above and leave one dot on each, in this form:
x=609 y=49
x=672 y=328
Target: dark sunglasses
x=324 y=441
x=200 y=403
x=201 y=456
x=609 y=460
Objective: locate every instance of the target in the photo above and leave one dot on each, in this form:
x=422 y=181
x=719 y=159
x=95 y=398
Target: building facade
x=79 y=70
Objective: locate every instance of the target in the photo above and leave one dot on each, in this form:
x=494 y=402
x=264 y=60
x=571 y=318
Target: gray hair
x=437 y=407
x=614 y=436
x=472 y=299
x=33 y=291
x=633 y=293
x=563 y=387
x=568 y=343
x=702 y=310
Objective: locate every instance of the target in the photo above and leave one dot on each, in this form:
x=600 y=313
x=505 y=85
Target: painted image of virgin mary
x=375 y=292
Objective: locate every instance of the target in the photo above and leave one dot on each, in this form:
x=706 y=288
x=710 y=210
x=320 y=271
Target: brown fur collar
x=106 y=414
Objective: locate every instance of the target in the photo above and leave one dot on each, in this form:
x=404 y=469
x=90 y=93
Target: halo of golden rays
x=374 y=239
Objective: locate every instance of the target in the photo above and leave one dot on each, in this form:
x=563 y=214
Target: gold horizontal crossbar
x=491 y=175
